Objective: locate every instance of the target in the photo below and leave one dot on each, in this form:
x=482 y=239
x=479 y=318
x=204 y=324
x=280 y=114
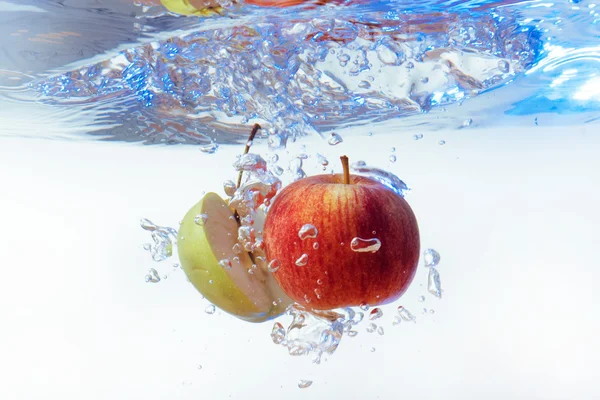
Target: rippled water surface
x=126 y=72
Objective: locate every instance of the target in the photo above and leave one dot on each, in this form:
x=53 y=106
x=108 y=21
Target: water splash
x=163 y=238
x=385 y=177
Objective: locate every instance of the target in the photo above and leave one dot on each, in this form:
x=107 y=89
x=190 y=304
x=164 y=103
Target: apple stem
x=346 y=168
x=255 y=129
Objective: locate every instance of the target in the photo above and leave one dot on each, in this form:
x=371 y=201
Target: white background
x=514 y=214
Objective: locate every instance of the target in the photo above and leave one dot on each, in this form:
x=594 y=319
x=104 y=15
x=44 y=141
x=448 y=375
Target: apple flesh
x=365 y=252
x=207 y=252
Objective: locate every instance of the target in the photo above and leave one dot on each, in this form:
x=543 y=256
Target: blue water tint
x=303 y=70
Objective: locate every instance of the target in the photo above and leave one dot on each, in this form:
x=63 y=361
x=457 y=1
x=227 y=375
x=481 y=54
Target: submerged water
x=481 y=113
x=157 y=77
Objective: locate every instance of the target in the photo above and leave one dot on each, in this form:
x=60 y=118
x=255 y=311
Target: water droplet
x=442 y=142
x=152 y=276
x=210 y=309
x=405 y=314
x=434 y=285
x=376 y=313
x=352 y=333
x=278 y=170
x=210 y=282
x=315 y=245
x=503 y=66
x=380 y=330
x=225 y=264
x=147 y=246
x=308 y=231
x=431 y=258
x=303 y=383
x=424 y=80
x=372 y=349
x=432 y=311
x=273 y=266
x=278 y=333
x=334 y=139
x=418 y=136
x=535 y=121
x=467 y=122
x=210 y=148
x=421 y=298
x=322 y=160
x=386 y=55
x=200 y=219
x=371 y=327
x=199 y=366
x=229 y=187
x=424 y=311
x=397 y=320
x=319 y=282
x=302 y=260
x=392 y=158
x=364 y=306
x=365 y=245
x=364 y=85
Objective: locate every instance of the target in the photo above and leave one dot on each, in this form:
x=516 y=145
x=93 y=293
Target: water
x=509 y=88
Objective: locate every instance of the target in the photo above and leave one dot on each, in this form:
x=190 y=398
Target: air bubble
x=376 y=313
x=278 y=333
x=225 y=264
x=365 y=245
x=210 y=309
x=315 y=245
x=152 y=276
x=467 y=122
x=229 y=187
x=200 y=219
x=392 y=158
x=431 y=258
x=433 y=283
x=371 y=327
x=418 y=136
x=210 y=148
x=308 y=231
x=334 y=139
x=273 y=266
x=302 y=260
x=405 y=314
x=303 y=383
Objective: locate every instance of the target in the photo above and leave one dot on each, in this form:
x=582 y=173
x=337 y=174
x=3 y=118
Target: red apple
x=365 y=252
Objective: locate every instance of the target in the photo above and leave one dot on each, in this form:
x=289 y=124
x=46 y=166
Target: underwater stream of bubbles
x=304 y=71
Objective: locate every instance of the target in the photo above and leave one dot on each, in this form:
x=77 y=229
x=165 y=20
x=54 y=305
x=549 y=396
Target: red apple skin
x=337 y=276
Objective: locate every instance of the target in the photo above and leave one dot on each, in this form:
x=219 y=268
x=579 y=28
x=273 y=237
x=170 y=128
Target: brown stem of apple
x=255 y=129
x=346 y=168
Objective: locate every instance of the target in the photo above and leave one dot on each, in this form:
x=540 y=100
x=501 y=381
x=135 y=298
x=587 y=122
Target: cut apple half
x=206 y=248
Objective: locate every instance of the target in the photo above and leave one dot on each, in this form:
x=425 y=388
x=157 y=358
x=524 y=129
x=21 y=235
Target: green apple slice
x=203 y=245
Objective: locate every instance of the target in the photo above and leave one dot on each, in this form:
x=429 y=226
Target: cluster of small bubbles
x=418 y=136
x=376 y=313
x=302 y=260
x=405 y=314
x=431 y=258
x=229 y=187
x=334 y=139
x=201 y=219
x=210 y=148
x=442 y=142
x=360 y=245
x=372 y=327
x=210 y=309
x=316 y=332
x=250 y=162
x=303 y=383
x=467 y=122
x=152 y=276
x=273 y=266
x=163 y=238
x=433 y=283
